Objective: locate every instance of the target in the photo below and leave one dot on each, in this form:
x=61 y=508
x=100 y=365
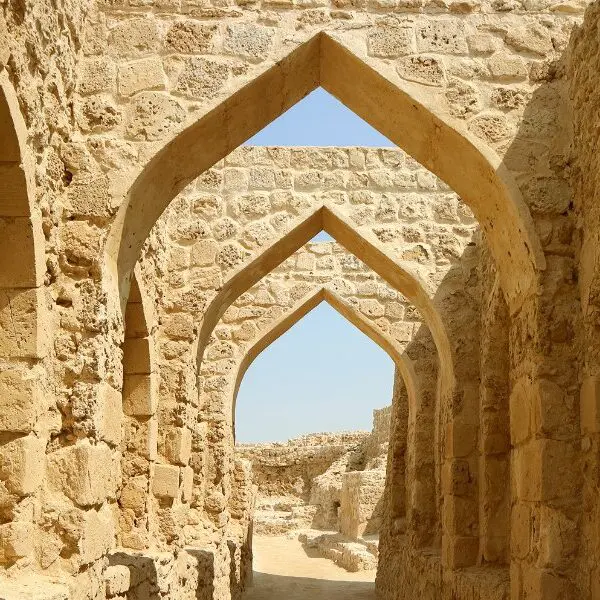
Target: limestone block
x=490 y=127
x=89 y=196
x=459 y=552
x=178 y=445
x=109 y=415
x=140 y=395
x=96 y=536
x=443 y=36
x=464 y=99
x=13 y=187
x=97 y=74
x=97 y=113
x=482 y=43
x=204 y=253
x=202 y=78
x=590 y=405
x=305 y=262
x=165 y=482
x=456 y=477
x=33 y=587
x=180 y=326
x=16 y=541
x=22 y=464
x=507 y=67
x=391 y=38
x=421 y=69
x=401 y=331
x=134 y=36
x=541 y=583
x=558 y=538
x=190 y=37
x=153 y=116
x=461 y=439
x=187 y=484
x=543 y=470
x=134 y=495
x=143 y=74
x=117 y=580
x=86 y=474
x=532 y=38
x=138 y=356
x=18 y=238
x=80 y=243
x=460 y=516
x=248 y=40
x=20 y=401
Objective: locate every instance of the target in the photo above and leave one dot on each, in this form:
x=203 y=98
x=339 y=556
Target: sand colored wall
x=109 y=111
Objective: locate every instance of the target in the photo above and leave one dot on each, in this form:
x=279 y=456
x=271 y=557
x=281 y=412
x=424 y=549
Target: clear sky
x=323 y=374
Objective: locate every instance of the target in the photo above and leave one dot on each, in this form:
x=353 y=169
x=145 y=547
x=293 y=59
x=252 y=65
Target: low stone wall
x=289 y=468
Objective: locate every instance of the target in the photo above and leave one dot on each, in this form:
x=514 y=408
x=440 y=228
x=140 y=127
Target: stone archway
x=444 y=147
x=218 y=371
x=20 y=235
x=24 y=398
x=326 y=218
x=419 y=504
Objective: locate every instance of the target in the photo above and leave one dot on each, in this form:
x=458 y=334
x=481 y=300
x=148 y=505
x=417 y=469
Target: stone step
x=349 y=554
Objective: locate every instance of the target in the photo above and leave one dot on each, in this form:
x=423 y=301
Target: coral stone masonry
x=147 y=257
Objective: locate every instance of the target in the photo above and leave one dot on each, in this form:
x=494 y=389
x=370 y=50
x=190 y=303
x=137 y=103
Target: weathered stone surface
x=498 y=98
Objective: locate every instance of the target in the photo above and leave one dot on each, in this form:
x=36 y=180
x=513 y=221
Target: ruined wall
x=99 y=107
x=329 y=481
x=289 y=468
x=582 y=73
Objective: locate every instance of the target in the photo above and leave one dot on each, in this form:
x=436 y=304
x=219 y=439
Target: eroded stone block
x=22 y=464
x=165 y=481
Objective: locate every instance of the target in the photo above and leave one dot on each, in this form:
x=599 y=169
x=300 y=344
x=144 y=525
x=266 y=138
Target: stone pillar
x=545 y=435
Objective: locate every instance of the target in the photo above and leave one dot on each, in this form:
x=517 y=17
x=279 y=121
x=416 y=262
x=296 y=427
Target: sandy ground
x=284 y=570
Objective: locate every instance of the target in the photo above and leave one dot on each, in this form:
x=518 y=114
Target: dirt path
x=284 y=571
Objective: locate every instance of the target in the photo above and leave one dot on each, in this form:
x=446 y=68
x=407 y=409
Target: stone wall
x=582 y=73
x=110 y=110
x=329 y=481
x=289 y=468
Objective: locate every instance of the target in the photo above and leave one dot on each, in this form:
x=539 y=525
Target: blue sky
x=323 y=374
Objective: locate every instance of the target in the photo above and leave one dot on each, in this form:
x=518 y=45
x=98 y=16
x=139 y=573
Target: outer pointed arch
x=405 y=113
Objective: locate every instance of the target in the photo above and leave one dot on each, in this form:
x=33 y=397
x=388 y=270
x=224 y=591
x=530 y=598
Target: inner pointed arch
x=300 y=310
x=325 y=218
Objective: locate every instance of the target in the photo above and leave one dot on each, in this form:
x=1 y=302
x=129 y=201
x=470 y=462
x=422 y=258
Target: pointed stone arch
x=287 y=321
x=442 y=145
x=20 y=235
x=420 y=498
x=21 y=279
x=327 y=218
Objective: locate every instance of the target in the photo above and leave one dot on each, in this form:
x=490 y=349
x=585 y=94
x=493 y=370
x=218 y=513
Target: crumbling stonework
x=318 y=485
x=116 y=457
